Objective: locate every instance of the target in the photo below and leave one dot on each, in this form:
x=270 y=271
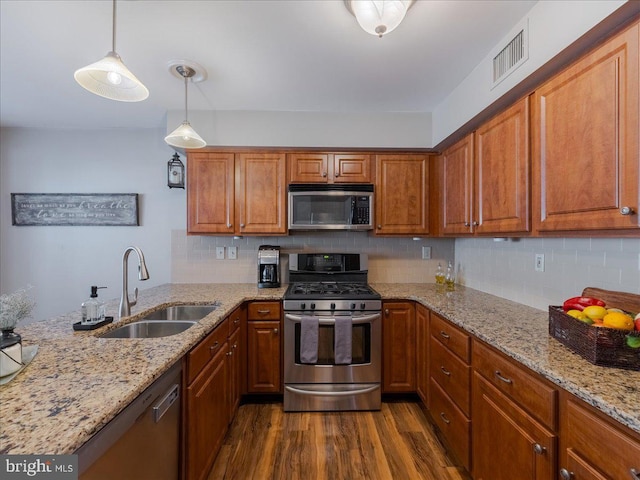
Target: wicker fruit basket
x=600 y=346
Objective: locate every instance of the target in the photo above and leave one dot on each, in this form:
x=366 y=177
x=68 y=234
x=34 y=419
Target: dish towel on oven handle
x=342 y=340
x=309 y=339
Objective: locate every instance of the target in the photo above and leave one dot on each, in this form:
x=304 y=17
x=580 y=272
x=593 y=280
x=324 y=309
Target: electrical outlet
x=539 y=265
x=220 y=253
x=232 y=252
x=426 y=253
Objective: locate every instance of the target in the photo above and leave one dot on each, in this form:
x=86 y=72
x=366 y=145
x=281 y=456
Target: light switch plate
x=426 y=253
x=220 y=253
x=232 y=253
x=539 y=265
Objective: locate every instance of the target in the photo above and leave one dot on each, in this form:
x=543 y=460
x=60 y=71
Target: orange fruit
x=618 y=320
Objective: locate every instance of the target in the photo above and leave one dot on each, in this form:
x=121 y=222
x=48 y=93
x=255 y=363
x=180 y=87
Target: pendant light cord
x=186 y=111
x=113 y=28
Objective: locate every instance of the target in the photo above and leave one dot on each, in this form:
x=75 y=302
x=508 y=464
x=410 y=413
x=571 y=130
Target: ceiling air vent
x=511 y=56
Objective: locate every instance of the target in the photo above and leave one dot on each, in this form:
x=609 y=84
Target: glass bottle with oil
x=450 y=278
x=439 y=275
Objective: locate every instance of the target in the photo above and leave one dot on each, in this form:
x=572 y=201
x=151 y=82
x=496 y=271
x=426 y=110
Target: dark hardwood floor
x=395 y=443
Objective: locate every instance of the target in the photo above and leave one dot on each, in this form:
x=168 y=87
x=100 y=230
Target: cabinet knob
x=228 y=354
x=324 y=174
x=467 y=224
x=379 y=227
x=475 y=224
x=242 y=225
x=539 y=449
x=627 y=211
x=229 y=225
x=566 y=474
x=275 y=330
x=386 y=311
x=635 y=474
x=500 y=377
x=444 y=418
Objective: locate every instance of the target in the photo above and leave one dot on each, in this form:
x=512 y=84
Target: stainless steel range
x=332 y=335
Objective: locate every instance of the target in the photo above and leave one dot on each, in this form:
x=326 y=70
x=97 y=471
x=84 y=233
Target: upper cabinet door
x=457 y=187
x=402 y=195
x=308 y=167
x=210 y=193
x=501 y=172
x=351 y=168
x=261 y=193
x=585 y=142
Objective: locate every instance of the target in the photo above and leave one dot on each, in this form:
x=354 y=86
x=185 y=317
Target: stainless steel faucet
x=143 y=274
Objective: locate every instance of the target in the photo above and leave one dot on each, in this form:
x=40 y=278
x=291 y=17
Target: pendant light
x=378 y=17
x=110 y=78
x=185 y=136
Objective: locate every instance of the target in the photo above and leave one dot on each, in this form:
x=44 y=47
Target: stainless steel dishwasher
x=142 y=441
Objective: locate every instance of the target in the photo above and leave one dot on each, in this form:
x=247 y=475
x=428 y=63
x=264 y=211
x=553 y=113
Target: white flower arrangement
x=14 y=307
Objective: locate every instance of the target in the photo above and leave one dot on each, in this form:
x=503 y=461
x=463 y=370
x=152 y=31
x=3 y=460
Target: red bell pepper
x=580 y=303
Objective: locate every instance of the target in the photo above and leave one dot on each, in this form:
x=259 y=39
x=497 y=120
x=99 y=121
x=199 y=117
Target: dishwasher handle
x=169 y=398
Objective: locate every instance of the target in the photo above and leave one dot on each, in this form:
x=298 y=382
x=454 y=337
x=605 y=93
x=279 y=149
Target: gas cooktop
x=331 y=296
x=335 y=289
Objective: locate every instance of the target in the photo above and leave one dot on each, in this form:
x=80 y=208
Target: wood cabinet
x=236 y=193
x=486 y=177
x=398 y=347
x=318 y=167
x=264 y=349
x=236 y=358
x=206 y=404
x=450 y=386
x=514 y=411
x=586 y=160
x=592 y=447
x=402 y=194
x=422 y=352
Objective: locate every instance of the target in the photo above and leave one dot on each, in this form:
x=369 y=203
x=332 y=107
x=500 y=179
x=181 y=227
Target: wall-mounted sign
x=86 y=209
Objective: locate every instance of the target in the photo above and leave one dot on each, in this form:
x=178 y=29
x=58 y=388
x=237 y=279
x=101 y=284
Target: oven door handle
x=332 y=320
x=343 y=393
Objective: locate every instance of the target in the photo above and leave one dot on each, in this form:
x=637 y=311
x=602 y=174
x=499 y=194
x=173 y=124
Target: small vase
x=10 y=352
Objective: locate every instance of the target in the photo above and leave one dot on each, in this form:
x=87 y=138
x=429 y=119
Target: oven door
x=365 y=366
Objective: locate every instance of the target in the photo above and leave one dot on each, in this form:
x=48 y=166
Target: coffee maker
x=268 y=266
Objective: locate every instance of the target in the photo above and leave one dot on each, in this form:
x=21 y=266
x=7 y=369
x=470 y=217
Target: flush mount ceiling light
x=185 y=136
x=110 y=78
x=378 y=17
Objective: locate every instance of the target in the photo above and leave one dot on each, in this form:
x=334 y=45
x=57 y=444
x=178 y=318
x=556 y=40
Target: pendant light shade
x=110 y=78
x=378 y=17
x=185 y=136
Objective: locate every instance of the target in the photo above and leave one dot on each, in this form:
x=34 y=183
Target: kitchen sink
x=150 y=329
x=181 y=312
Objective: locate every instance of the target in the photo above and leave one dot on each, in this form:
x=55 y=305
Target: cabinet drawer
x=451 y=374
x=264 y=311
x=452 y=337
x=200 y=355
x=235 y=320
x=600 y=443
x=527 y=389
x=452 y=423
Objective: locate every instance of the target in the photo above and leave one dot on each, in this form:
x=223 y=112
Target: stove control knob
x=333 y=306
x=312 y=306
x=353 y=306
x=362 y=306
x=303 y=306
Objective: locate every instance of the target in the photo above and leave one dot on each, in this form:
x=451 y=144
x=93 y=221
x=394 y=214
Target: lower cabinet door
x=507 y=442
x=263 y=357
x=207 y=417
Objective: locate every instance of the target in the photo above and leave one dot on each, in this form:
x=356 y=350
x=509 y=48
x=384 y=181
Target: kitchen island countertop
x=78 y=382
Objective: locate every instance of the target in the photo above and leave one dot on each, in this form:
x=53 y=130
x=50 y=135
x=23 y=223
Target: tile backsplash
x=391 y=260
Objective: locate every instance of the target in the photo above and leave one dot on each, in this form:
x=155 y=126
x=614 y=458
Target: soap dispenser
x=93 y=309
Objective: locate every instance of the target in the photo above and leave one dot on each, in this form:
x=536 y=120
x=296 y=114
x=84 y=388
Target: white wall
x=507 y=269
x=553 y=25
x=61 y=263
x=308 y=129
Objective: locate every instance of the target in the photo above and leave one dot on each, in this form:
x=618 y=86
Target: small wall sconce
x=175 y=172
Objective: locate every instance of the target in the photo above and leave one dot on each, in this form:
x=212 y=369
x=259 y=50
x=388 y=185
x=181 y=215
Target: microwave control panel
x=361 y=210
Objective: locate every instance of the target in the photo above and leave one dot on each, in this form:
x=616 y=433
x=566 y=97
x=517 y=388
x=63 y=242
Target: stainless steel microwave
x=330 y=207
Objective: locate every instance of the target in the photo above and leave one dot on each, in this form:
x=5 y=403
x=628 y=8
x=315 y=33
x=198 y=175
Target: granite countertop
x=78 y=382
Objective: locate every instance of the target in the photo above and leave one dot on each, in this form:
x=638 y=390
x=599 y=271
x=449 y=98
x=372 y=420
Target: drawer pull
x=500 y=377
x=444 y=418
x=215 y=345
x=566 y=474
x=264 y=312
x=635 y=474
x=445 y=371
x=236 y=321
x=444 y=334
x=539 y=449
